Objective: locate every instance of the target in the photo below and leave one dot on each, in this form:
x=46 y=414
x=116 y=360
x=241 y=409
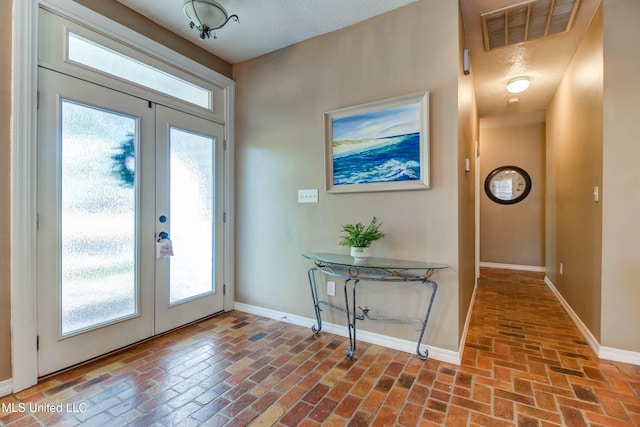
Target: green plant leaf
x=360 y=236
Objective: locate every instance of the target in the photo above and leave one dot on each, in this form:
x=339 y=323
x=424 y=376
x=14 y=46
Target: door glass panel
x=191 y=212
x=98 y=217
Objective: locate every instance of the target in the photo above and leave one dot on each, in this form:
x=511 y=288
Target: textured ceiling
x=544 y=60
x=265 y=25
x=268 y=25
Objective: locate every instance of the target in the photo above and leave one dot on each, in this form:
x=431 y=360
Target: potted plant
x=359 y=238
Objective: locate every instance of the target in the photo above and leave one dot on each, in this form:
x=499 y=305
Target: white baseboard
x=534 y=268
x=593 y=342
x=463 y=338
x=436 y=353
x=618 y=355
x=6 y=387
x=608 y=353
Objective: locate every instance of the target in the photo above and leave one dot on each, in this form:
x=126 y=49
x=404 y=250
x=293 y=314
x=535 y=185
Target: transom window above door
x=105 y=60
x=71 y=48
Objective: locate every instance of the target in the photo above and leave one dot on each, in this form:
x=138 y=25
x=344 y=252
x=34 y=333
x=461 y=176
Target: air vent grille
x=527 y=21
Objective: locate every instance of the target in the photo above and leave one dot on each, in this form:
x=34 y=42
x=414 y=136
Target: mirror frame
x=496 y=171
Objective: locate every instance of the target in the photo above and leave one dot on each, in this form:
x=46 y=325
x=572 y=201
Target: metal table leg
x=351 y=306
x=434 y=288
x=316 y=302
x=351 y=316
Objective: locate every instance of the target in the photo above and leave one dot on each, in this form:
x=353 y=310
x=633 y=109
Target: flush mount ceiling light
x=206 y=16
x=518 y=84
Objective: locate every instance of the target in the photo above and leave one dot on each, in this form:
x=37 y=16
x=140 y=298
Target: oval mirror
x=507 y=185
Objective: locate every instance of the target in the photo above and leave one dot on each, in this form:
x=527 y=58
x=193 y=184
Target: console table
x=392 y=271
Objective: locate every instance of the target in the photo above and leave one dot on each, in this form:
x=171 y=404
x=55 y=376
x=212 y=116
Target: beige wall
x=574 y=167
x=467 y=136
x=281 y=98
x=5 y=155
x=621 y=176
x=513 y=234
x=592 y=139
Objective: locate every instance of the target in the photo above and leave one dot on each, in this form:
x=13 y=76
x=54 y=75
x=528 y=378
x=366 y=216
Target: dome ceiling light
x=518 y=84
x=206 y=16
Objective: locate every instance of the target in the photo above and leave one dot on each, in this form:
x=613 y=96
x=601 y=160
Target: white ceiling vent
x=527 y=21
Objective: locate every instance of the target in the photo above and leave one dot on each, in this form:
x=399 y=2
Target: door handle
x=163 y=234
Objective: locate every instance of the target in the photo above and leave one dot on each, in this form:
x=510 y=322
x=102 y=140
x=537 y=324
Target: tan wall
x=574 y=167
x=467 y=137
x=5 y=201
x=281 y=98
x=513 y=234
x=621 y=176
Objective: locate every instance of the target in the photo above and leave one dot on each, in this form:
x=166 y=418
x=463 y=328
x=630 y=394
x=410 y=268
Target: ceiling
x=285 y=22
x=265 y=25
x=544 y=60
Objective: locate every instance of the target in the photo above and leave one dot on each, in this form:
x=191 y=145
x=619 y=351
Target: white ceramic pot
x=360 y=254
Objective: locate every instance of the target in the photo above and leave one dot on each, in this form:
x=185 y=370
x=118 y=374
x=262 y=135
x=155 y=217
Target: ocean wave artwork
x=377 y=146
x=388 y=159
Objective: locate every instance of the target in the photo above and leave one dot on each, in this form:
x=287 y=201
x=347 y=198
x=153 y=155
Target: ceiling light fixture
x=206 y=16
x=518 y=84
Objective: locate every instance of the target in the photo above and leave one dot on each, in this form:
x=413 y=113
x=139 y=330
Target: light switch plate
x=308 y=196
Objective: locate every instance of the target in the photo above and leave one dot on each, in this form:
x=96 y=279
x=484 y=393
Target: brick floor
x=525 y=364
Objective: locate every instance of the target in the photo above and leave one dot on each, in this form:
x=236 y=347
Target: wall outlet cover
x=331 y=289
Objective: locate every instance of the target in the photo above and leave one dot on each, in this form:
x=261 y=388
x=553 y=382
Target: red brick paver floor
x=525 y=364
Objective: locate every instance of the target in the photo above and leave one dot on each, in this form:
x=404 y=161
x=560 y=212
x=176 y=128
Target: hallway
x=525 y=363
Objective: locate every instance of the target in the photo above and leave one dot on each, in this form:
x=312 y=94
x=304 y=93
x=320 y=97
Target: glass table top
x=373 y=262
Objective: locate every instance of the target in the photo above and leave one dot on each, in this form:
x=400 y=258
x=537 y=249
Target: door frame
x=24 y=172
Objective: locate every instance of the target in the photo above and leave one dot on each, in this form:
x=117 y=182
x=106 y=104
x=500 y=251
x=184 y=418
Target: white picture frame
x=378 y=146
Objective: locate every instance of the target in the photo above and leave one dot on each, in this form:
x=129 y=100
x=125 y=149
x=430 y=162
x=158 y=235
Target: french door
x=189 y=208
x=114 y=172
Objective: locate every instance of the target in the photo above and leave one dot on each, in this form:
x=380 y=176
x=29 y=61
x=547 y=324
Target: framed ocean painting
x=378 y=146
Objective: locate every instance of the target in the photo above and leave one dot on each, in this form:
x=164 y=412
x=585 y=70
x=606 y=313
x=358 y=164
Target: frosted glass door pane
x=98 y=217
x=191 y=213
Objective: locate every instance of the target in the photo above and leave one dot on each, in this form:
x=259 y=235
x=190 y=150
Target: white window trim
x=23 y=167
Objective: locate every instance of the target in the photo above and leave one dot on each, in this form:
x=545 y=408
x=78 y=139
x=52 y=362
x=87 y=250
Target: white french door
x=189 y=208
x=115 y=171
